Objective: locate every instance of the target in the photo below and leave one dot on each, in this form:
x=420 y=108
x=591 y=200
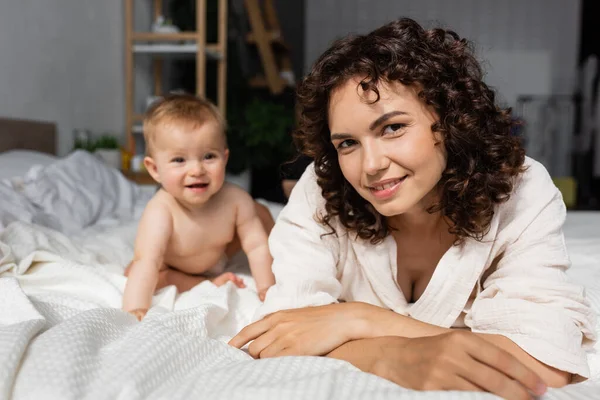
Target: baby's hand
x=226 y=277
x=139 y=313
x=262 y=293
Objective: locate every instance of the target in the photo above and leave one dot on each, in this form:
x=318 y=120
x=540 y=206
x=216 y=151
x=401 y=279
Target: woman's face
x=386 y=150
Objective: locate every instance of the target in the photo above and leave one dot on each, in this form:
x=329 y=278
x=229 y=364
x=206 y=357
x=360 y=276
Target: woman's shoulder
x=307 y=201
x=533 y=192
x=534 y=178
x=307 y=191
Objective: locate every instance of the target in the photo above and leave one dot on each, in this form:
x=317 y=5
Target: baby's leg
x=182 y=281
x=226 y=277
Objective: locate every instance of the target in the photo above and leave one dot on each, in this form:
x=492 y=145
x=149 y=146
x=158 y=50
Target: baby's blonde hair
x=180 y=109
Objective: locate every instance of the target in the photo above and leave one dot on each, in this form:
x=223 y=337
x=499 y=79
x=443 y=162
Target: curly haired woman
x=422 y=245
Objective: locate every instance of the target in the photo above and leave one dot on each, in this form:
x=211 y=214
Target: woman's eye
x=393 y=128
x=178 y=160
x=346 y=143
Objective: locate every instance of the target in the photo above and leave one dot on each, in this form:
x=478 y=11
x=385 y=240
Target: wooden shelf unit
x=274 y=52
x=163 y=45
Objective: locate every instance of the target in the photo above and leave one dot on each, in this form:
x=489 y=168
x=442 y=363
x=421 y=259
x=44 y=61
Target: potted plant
x=107 y=148
x=258 y=137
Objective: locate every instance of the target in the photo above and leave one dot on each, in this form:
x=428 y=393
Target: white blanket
x=63 y=336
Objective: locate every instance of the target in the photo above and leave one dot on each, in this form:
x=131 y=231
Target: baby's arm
x=154 y=232
x=254 y=242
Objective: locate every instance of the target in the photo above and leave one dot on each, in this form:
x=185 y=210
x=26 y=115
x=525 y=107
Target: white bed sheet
x=63 y=336
x=16 y=163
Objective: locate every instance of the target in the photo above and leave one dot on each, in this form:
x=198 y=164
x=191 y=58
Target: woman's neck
x=419 y=221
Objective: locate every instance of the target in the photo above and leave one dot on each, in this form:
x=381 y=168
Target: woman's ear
x=151 y=168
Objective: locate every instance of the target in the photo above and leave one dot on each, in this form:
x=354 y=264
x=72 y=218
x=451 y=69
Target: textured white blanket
x=62 y=335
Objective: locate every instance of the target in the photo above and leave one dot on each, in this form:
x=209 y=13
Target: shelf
x=212 y=50
x=137 y=129
x=163 y=37
x=273 y=36
x=260 y=81
x=163 y=46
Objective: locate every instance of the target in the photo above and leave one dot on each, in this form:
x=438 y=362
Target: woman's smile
x=386 y=189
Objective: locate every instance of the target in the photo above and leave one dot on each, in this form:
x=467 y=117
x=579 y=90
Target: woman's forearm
x=551 y=376
x=357 y=353
x=393 y=324
x=360 y=355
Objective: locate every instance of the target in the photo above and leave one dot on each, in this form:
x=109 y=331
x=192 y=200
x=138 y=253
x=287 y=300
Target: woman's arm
x=334 y=330
x=379 y=322
x=527 y=300
x=456 y=360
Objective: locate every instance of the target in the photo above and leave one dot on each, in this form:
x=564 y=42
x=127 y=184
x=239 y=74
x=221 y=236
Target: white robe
x=511 y=283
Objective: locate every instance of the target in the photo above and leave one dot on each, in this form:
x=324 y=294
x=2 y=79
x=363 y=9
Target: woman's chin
x=390 y=209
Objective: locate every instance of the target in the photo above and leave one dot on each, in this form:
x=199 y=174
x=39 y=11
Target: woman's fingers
x=507 y=364
x=250 y=333
x=258 y=348
x=464 y=385
x=277 y=347
x=491 y=380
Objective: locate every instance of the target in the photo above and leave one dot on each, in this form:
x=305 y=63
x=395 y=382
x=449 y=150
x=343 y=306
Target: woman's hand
x=456 y=360
x=311 y=331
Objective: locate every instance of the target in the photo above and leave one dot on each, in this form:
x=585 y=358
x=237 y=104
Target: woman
x=423 y=246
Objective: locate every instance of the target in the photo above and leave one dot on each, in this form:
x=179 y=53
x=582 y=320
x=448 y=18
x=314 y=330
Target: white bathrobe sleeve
x=528 y=297
x=305 y=257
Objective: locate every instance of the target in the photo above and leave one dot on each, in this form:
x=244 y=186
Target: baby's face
x=189 y=162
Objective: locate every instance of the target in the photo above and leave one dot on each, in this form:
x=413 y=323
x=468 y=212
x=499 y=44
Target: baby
x=188 y=225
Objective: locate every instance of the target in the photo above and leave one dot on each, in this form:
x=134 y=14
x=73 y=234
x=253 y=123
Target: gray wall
x=62 y=61
x=531 y=45
x=291 y=15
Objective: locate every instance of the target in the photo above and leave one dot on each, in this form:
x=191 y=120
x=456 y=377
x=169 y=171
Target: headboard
x=27 y=135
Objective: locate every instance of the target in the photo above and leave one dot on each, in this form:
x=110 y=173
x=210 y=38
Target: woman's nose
x=374 y=158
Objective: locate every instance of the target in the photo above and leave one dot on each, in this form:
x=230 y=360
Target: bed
x=66 y=231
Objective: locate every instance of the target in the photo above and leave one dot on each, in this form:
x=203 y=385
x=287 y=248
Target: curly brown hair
x=483 y=157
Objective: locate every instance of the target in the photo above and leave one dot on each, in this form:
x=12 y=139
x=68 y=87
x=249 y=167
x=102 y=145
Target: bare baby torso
x=200 y=237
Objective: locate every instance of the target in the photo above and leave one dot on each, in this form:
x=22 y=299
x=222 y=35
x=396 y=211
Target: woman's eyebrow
x=340 y=136
x=384 y=118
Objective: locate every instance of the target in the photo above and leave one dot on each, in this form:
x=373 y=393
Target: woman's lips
x=387 y=189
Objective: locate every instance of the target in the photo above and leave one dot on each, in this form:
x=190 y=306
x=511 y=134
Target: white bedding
x=18 y=162
x=63 y=336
